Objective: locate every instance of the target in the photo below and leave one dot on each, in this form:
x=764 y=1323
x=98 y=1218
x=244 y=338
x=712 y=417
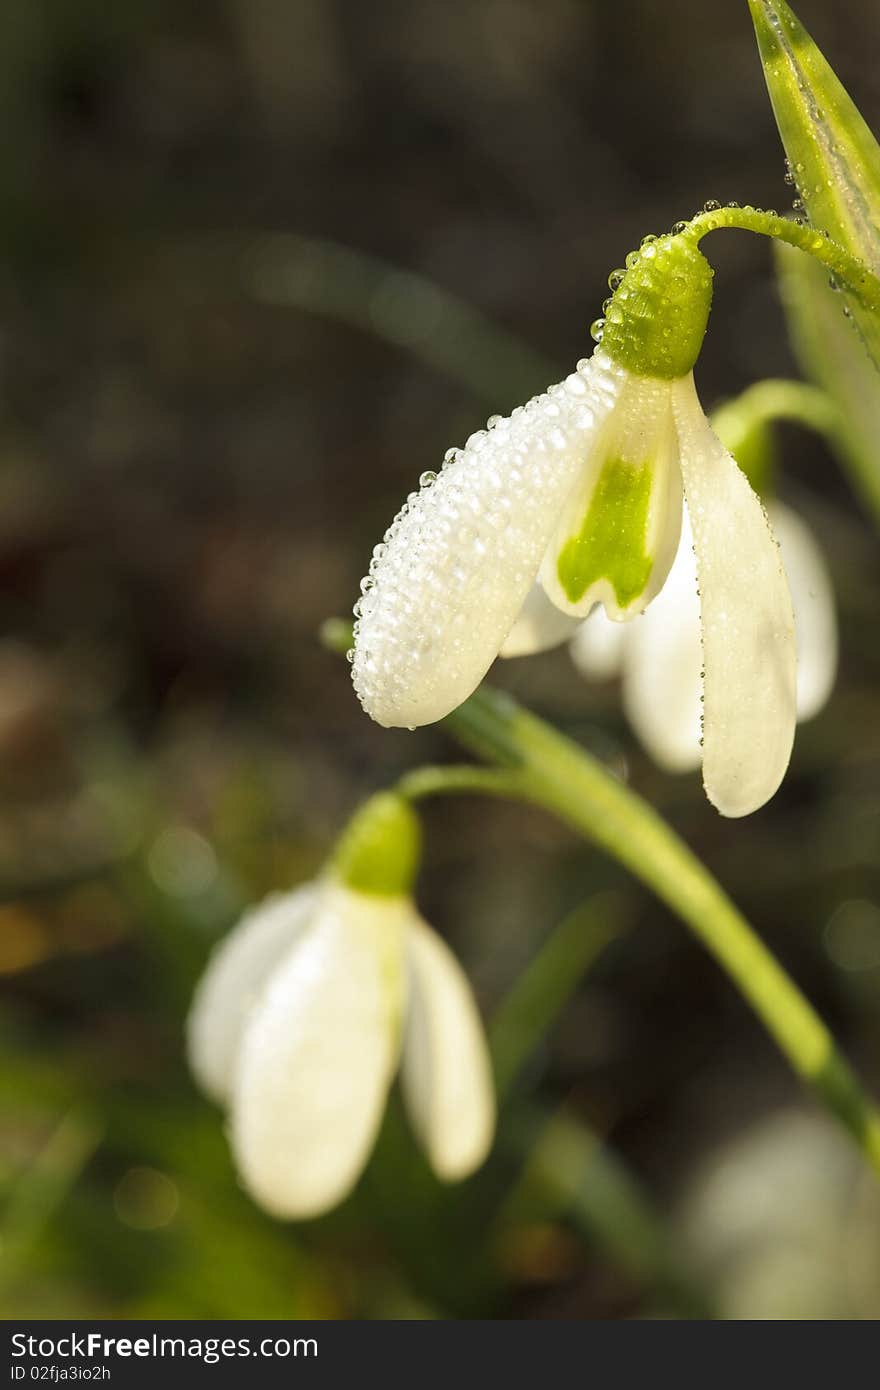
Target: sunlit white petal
x=662 y=667
x=458 y=563
x=747 y=622
x=318 y=1053
x=539 y=627
x=447 y=1081
x=235 y=974
x=814 y=611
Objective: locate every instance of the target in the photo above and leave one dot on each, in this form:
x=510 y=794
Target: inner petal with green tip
x=611 y=542
x=620 y=527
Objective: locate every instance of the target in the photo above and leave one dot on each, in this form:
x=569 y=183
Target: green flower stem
x=439 y=781
x=744 y=424
x=794 y=401
x=554 y=773
x=853 y=272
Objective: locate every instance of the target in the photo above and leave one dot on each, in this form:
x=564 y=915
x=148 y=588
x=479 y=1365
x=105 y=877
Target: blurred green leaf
x=541 y=992
x=570 y=1172
x=404 y=308
x=834 y=157
x=831 y=354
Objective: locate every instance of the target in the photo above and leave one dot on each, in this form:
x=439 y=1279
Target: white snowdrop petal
x=318 y=1053
x=617 y=534
x=662 y=677
x=539 y=626
x=598 y=646
x=746 y=618
x=815 y=615
x=232 y=981
x=446 y=1073
x=457 y=563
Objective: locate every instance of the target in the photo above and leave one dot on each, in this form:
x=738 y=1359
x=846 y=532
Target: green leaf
x=834 y=157
x=831 y=354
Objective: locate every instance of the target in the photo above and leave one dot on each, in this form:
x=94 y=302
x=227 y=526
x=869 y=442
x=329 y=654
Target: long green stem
x=853 y=272
x=439 y=781
x=554 y=773
x=742 y=424
x=794 y=401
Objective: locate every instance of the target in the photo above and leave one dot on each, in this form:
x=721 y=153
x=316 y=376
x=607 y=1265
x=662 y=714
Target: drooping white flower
x=307 y=1009
x=574 y=500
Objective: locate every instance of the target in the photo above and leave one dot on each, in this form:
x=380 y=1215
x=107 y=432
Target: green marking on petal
x=611 y=543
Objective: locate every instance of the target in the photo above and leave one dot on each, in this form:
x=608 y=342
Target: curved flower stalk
x=308 y=1007
x=660 y=658
x=576 y=500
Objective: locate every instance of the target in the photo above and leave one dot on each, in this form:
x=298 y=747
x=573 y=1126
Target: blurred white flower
x=576 y=500
x=660 y=659
x=781 y=1222
x=300 y=1022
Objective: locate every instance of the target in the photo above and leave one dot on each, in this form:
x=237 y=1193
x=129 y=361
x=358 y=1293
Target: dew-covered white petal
x=815 y=617
x=456 y=565
x=662 y=678
x=446 y=1073
x=597 y=647
x=318 y=1053
x=539 y=626
x=233 y=979
x=747 y=622
x=617 y=534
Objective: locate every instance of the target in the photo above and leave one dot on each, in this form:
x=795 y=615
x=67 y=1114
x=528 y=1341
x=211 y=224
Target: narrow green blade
x=832 y=355
x=834 y=157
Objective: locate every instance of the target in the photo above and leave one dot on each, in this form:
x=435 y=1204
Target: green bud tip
x=657 y=317
x=380 y=849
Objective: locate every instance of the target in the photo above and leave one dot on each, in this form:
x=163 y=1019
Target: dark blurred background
x=208 y=418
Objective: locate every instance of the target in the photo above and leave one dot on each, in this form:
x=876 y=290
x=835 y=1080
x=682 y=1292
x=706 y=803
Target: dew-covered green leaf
x=831 y=354
x=834 y=157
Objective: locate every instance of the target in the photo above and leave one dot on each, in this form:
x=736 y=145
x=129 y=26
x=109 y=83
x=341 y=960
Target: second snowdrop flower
x=576 y=500
x=309 y=1006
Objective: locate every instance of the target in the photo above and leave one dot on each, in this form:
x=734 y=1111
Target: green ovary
x=611 y=543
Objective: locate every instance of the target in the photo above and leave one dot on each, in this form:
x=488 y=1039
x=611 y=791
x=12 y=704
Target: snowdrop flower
x=659 y=658
x=309 y=1005
x=575 y=500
